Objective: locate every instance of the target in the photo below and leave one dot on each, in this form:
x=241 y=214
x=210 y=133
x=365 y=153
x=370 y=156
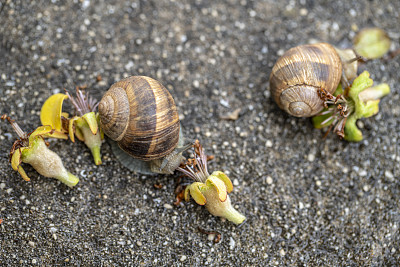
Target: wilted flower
x=345 y=107
x=210 y=190
x=85 y=126
x=32 y=149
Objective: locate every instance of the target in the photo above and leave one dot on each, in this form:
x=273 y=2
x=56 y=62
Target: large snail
x=302 y=71
x=140 y=114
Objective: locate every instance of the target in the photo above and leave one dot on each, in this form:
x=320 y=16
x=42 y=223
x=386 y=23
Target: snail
x=140 y=114
x=303 y=72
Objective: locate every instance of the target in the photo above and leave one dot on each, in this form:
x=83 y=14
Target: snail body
x=140 y=114
x=300 y=73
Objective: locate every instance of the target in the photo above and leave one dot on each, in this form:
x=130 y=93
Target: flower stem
x=68 y=178
x=233 y=215
x=92 y=141
x=222 y=209
x=96 y=154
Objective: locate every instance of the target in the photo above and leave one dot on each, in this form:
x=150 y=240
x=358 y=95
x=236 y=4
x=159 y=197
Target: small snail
x=299 y=75
x=140 y=114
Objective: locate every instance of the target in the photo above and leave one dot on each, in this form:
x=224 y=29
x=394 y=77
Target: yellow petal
x=91 y=120
x=41 y=130
x=23 y=173
x=57 y=134
x=79 y=134
x=98 y=123
x=71 y=129
x=186 y=194
x=219 y=186
x=50 y=113
x=222 y=176
x=16 y=159
x=195 y=192
x=16 y=163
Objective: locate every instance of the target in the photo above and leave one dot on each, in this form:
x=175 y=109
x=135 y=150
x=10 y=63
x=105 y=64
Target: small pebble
x=282 y=252
x=311 y=157
x=318 y=183
x=34 y=261
x=389 y=175
x=183 y=258
x=31 y=243
x=232 y=243
x=269 y=180
x=139 y=243
x=168 y=206
x=235 y=182
x=362 y=173
x=303 y=12
x=2 y=185
x=268 y=143
x=210 y=237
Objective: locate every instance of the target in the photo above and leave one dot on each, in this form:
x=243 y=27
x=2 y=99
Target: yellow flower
x=51 y=114
x=210 y=190
x=85 y=126
x=32 y=149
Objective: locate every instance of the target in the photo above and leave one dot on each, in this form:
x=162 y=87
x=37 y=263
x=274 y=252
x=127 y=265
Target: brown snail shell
x=300 y=73
x=140 y=114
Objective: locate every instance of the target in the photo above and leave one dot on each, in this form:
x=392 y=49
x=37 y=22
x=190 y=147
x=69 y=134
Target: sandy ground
x=308 y=201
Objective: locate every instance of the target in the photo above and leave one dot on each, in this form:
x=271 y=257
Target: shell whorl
x=141 y=115
x=301 y=101
x=114 y=113
x=298 y=75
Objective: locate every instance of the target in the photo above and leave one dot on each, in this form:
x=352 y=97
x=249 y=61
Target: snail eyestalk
x=32 y=149
x=210 y=190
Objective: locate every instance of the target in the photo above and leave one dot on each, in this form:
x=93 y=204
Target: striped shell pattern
x=140 y=114
x=298 y=75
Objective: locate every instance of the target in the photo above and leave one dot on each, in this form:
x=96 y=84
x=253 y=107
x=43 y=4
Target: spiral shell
x=140 y=114
x=298 y=75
